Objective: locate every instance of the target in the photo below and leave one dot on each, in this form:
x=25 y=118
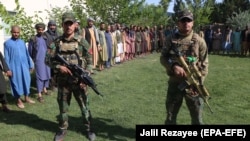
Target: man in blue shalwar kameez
x=108 y=37
x=20 y=64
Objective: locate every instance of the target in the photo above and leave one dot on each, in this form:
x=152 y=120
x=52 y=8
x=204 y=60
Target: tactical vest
x=69 y=50
x=188 y=47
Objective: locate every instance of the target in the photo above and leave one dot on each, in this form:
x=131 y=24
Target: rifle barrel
x=190 y=74
x=79 y=73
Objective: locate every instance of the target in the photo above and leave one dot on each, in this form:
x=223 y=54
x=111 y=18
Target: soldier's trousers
x=64 y=97
x=3 y=89
x=174 y=101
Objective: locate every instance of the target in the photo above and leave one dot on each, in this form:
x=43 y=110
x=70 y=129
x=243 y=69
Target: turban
x=90 y=19
x=40 y=25
x=51 y=22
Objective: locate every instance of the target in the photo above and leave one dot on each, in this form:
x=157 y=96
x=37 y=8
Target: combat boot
x=60 y=135
x=91 y=136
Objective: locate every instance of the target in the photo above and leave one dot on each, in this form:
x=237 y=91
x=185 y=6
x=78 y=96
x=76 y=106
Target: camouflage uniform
x=75 y=51
x=189 y=45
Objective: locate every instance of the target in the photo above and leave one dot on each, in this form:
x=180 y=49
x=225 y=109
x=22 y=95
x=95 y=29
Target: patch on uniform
x=52 y=45
x=186 y=50
x=71 y=46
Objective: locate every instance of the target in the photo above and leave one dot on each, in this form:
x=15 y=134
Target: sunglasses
x=184 y=20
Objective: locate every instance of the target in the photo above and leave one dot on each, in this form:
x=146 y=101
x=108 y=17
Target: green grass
x=135 y=93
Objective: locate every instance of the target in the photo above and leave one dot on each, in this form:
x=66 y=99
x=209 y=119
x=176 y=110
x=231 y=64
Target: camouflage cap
x=68 y=16
x=185 y=14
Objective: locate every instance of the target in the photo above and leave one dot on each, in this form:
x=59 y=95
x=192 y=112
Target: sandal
x=30 y=101
x=40 y=99
x=46 y=93
x=20 y=105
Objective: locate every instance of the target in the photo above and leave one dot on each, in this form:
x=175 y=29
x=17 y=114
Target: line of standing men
x=22 y=62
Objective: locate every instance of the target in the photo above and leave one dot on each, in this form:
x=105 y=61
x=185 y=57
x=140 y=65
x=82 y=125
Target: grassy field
x=135 y=93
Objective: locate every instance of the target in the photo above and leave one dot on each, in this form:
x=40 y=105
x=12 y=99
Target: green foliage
x=179 y=5
x=56 y=15
x=107 y=10
x=201 y=10
x=21 y=19
x=134 y=13
x=227 y=9
x=122 y=11
x=3 y=12
x=160 y=16
x=150 y=15
x=215 y=16
x=165 y=4
x=240 y=19
x=79 y=8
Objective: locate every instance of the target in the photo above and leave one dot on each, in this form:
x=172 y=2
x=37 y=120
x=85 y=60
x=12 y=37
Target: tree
x=161 y=17
x=134 y=13
x=178 y=6
x=201 y=10
x=240 y=19
x=165 y=4
x=109 y=11
x=79 y=8
x=215 y=16
x=21 y=19
x=56 y=15
x=227 y=9
x=126 y=13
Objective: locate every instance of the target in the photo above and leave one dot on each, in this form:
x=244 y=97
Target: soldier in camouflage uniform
x=189 y=44
x=73 y=48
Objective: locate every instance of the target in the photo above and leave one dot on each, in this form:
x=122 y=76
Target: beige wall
x=30 y=6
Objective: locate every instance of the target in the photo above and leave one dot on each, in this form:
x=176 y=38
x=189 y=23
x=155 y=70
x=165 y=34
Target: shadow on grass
x=28 y=119
x=104 y=128
x=109 y=127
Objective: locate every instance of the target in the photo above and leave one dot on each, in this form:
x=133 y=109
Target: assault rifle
x=80 y=73
x=194 y=76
